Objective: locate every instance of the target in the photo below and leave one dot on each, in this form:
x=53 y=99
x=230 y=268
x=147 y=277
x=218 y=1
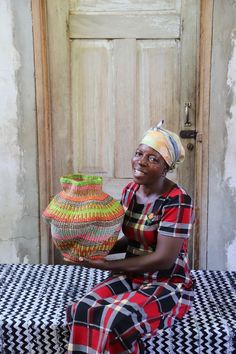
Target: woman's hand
x=93 y=263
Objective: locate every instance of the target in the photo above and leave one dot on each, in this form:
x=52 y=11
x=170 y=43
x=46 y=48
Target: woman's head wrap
x=165 y=142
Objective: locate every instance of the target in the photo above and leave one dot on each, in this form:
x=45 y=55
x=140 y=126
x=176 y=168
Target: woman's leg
x=113 y=316
x=88 y=319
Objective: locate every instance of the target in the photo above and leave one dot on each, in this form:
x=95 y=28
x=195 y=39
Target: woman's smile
x=139 y=172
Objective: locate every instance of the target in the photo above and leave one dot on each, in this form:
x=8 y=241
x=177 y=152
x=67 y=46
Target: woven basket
x=85 y=221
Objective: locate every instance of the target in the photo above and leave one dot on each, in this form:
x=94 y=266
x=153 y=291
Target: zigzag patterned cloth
x=33 y=299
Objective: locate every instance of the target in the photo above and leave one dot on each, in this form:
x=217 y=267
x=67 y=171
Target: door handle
x=187 y=123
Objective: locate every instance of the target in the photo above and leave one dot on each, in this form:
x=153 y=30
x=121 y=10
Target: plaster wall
x=19 y=235
x=222 y=140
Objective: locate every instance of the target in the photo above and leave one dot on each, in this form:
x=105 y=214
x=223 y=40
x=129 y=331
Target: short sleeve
x=127 y=194
x=122 y=200
x=177 y=217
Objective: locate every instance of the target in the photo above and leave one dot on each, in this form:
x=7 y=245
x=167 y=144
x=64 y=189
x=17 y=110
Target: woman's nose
x=143 y=161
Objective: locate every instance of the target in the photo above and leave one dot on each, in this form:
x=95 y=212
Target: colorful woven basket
x=85 y=221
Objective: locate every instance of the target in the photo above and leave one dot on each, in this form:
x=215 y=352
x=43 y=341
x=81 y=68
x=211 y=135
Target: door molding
x=43 y=114
x=44 y=129
x=202 y=127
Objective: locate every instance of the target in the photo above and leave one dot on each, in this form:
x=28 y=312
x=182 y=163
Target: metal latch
x=188 y=134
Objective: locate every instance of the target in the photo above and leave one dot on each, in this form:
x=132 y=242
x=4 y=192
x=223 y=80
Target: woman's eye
x=138 y=153
x=153 y=159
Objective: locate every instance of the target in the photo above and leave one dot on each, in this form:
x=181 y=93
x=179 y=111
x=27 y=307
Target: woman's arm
x=167 y=251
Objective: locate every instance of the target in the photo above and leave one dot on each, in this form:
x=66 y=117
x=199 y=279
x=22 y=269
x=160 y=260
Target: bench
x=33 y=299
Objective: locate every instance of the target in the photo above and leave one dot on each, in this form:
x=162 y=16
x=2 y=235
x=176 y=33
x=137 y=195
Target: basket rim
x=80 y=179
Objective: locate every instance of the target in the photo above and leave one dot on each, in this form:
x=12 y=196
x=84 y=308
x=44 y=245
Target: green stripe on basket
x=92 y=212
x=86 y=180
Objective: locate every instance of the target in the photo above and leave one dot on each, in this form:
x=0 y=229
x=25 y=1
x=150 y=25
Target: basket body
x=85 y=221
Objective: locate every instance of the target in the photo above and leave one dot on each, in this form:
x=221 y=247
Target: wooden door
x=116 y=69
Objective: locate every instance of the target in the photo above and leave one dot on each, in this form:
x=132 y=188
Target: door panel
x=92 y=106
x=117 y=68
x=124 y=5
x=130 y=73
x=158 y=86
x=158 y=83
x=116 y=25
x=125 y=83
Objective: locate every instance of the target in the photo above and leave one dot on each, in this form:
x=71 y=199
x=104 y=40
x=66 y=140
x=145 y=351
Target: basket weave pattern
x=85 y=221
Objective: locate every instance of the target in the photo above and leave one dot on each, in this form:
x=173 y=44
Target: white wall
x=18 y=159
x=222 y=140
x=19 y=235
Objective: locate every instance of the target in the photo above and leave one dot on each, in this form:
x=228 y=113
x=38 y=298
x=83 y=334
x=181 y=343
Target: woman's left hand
x=92 y=263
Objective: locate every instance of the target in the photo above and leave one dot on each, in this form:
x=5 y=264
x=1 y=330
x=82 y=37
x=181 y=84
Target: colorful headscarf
x=165 y=142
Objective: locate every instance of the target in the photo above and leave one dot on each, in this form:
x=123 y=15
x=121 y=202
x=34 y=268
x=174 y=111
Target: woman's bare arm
x=167 y=251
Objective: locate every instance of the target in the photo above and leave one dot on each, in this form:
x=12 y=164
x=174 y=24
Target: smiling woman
x=152 y=287
x=149 y=168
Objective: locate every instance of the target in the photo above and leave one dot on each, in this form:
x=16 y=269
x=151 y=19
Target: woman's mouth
x=139 y=173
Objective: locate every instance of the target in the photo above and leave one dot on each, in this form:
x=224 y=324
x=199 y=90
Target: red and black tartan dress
x=114 y=315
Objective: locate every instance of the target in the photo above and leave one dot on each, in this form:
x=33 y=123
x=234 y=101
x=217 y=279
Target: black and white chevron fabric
x=33 y=299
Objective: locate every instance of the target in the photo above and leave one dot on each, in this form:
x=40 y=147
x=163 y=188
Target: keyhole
x=190 y=146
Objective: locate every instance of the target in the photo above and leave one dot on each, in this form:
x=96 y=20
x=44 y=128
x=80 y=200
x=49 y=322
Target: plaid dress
x=113 y=316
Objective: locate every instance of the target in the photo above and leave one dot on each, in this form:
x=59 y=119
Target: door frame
x=202 y=127
x=44 y=128
x=43 y=117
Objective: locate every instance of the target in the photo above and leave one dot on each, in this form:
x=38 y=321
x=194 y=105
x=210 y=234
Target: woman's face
x=148 y=165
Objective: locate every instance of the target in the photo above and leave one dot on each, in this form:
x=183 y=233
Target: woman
x=152 y=287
